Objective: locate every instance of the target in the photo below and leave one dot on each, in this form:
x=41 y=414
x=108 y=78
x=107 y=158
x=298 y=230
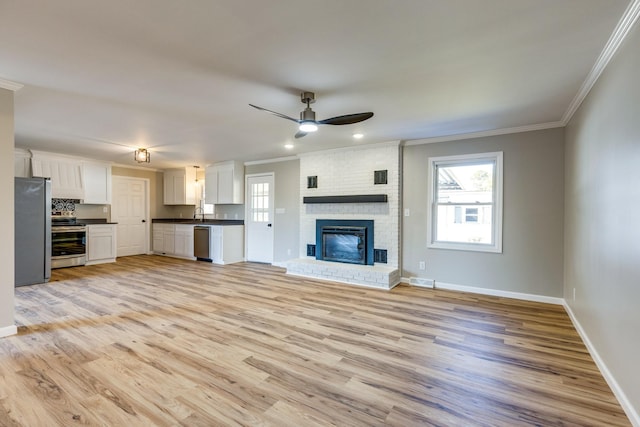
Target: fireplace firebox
x=344 y=244
x=347 y=241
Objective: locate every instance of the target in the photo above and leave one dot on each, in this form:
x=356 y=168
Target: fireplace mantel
x=355 y=198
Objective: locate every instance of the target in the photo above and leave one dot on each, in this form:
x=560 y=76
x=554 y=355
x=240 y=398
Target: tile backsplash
x=63 y=205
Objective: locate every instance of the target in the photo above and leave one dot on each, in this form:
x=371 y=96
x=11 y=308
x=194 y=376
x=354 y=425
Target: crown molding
x=625 y=24
x=621 y=31
x=276 y=160
x=6 y=84
x=492 y=132
x=396 y=143
x=143 y=168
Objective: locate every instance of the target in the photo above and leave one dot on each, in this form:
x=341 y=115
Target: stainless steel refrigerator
x=32 y=230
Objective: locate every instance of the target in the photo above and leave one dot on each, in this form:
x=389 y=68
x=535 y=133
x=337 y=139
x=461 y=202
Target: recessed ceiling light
x=358 y=135
x=288 y=146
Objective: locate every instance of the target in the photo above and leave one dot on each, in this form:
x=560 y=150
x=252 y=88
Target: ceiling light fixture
x=141 y=155
x=358 y=135
x=196 y=168
x=288 y=146
x=308 y=126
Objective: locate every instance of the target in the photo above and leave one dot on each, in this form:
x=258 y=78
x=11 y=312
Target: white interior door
x=130 y=204
x=259 y=218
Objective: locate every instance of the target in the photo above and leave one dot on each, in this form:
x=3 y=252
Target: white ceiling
x=104 y=77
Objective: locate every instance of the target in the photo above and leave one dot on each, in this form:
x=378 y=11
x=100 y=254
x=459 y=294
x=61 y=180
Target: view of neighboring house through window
x=466 y=202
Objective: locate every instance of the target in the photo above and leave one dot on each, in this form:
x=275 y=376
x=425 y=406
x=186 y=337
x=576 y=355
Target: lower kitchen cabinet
x=183 y=241
x=101 y=243
x=173 y=240
x=227 y=244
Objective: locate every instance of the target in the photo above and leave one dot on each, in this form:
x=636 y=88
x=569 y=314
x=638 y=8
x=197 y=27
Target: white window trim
x=498 y=184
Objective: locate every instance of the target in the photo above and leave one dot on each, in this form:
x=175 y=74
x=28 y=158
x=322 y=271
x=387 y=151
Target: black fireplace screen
x=345 y=240
x=344 y=244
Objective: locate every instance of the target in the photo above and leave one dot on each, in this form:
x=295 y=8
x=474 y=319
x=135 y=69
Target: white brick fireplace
x=350 y=172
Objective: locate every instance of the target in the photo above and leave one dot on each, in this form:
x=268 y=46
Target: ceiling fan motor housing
x=307 y=115
x=308 y=98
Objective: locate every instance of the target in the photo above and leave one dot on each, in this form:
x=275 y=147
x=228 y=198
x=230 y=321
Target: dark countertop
x=197 y=221
x=93 y=221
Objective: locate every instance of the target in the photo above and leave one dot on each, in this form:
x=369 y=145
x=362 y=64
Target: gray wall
x=531 y=261
x=287 y=196
x=7 y=280
x=602 y=218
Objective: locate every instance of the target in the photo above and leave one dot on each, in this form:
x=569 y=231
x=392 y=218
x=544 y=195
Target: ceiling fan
x=308 y=122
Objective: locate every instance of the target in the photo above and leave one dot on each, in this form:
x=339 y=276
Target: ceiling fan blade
x=346 y=119
x=275 y=113
x=300 y=134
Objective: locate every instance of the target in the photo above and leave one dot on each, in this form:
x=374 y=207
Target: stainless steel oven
x=68 y=245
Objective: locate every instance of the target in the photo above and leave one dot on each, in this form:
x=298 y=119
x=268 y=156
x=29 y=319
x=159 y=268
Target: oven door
x=68 y=246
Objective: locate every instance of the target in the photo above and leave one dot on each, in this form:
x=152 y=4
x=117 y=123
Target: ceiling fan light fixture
x=308 y=123
x=308 y=126
x=142 y=155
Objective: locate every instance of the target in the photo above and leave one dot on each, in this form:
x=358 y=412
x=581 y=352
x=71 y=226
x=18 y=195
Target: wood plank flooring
x=155 y=341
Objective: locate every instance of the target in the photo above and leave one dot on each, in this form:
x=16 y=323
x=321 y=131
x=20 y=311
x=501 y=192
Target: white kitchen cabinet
x=169 y=238
x=22 y=163
x=158 y=237
x=226 y=243
x=164 y=238
x=101 y=243
x=65 y=173
x=224 y=183
x=180 y=186
x=173 y=239
x=97 y=183
x=183 y=241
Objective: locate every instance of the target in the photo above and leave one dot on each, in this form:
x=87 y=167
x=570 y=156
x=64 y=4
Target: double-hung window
x=465 y=202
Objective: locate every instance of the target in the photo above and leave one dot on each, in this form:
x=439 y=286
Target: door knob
x=269 y=225
x=144 y=220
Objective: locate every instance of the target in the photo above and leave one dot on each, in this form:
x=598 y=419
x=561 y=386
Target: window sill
x=465 y=247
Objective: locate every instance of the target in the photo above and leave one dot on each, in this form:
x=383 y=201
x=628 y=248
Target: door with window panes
x=259 y=218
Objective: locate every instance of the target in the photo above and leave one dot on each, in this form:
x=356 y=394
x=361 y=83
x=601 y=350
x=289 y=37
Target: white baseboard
x=493 y=292
x=8 y=331
x=101 y=261
x=628 y=408
x=282 y=264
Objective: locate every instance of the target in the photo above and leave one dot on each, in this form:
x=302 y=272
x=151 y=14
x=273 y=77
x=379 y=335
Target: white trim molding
x=628 y=408
x=493 y=292
x=625 y=24
x=8 y=331
x=485 y=133
x=396 y=143
x=142 y=168
x=9 y=85
x=621 y=31
x=276 y=160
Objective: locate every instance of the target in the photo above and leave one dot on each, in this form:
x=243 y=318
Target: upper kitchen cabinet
x=97 y=183
x=22 y=163
x=224 y=183
x=65 y=173
x=179 y=186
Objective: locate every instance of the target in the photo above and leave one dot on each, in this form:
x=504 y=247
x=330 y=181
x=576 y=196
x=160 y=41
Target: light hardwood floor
x=160 y=341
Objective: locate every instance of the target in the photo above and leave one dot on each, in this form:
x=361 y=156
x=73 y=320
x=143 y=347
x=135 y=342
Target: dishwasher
x=202 y=243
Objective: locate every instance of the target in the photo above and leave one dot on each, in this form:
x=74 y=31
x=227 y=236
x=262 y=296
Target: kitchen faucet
x=195 y=213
